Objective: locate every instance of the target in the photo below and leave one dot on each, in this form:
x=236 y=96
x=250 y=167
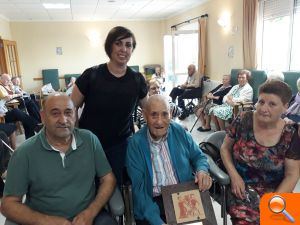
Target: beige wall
x=5 y=29
x=37 y=42
x=218 y=38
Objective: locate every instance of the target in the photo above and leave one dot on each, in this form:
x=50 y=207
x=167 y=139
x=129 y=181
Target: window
x=181 y=50
x=280 y=30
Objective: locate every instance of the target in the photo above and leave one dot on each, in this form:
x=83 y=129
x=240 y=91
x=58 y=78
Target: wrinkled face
x=121 y=51
x=226 y=80
x=191 y=70
x=157 y=116
x=16 y=81
x=157 y=70
x=269 y=108
x=58 y=117
x=5 y=79
x=154 y=89
x=242 y=79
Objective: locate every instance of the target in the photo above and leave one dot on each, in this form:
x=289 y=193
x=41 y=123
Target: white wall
x=5 y=29
x=37 y=42
x=218 y=38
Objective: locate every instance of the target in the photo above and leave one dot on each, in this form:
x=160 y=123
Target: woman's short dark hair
x=276 y=87
x=116 y=34
x=247 y=72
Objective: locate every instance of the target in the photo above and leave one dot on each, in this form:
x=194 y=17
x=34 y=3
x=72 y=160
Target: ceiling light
x=56 y=6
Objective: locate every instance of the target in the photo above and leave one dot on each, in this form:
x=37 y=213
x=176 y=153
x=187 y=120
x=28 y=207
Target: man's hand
x=238 y=186
x=83 y=218
x=203 y=180
x=55 y=220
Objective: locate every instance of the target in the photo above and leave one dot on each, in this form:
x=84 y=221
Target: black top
x=222 y=92
x=109 y=102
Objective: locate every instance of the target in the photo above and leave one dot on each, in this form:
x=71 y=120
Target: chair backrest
x=216 y=138
x=234 y=75
x=258 y=77
x=51 y=76
x=136 y=68
x=68 y=77
x=291 y=79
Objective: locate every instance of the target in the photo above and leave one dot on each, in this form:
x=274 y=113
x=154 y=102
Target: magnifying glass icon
x=277 y=205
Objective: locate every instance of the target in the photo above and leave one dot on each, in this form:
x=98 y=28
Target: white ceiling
x=95 y=10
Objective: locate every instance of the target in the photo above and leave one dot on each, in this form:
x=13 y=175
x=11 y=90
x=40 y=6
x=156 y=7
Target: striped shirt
x=162 y=168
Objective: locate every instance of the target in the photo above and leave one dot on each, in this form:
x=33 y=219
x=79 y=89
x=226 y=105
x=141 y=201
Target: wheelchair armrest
x=219 y=175
x=116 y=203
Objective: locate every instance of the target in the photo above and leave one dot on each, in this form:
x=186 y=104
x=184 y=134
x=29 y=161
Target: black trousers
x=182 y=94
x=159 y=201
x=28 y=122
x=31 y=106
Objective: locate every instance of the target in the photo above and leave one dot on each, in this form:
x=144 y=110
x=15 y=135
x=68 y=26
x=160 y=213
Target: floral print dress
x=262 y=168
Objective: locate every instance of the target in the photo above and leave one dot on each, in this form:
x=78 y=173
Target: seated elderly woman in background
x=261 y=153
x=293 y=112
x=154 y=87
x=242 y=92
x=213 y=98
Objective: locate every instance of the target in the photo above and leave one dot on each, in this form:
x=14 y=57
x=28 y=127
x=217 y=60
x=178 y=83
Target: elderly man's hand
x=83 y=218
x=203 y=180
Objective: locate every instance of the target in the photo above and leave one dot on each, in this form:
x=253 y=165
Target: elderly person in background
x=154 y=88
x=159 y=76
x=293 y=112
x=261 y=153
x=275 y=75
x=242 y=92
x=190 y=89
x=213 y=98
x=10 y=89
x=161 y=153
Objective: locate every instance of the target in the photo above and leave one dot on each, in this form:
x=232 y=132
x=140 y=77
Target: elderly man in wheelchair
x=174 y=157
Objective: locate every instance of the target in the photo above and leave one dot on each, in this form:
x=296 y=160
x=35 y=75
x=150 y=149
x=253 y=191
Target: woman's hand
x=238 y=186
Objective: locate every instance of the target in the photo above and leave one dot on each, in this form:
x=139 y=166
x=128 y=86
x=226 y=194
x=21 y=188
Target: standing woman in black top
x=110 y=92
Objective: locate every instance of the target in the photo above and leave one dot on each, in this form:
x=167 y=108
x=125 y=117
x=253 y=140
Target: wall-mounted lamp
x=224 y=20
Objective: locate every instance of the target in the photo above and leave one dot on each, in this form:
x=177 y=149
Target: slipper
x=203 y=130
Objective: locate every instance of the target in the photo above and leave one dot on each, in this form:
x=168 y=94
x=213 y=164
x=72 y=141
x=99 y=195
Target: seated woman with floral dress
x=261 y=153
x=242 y=92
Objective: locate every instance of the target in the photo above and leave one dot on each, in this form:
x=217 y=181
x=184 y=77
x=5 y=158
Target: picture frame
x=185 y=204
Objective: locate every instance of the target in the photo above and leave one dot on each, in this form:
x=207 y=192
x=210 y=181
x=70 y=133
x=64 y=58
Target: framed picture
x=185 y=204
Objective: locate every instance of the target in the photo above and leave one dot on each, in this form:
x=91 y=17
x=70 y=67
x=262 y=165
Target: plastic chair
x=115 y=206
x=220 y=178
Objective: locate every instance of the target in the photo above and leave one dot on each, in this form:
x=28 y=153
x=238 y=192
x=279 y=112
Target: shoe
x=201 y=129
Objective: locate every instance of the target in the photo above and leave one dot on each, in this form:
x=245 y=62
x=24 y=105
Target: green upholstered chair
x=291 y=79
x=67 y=77
x=51 y=76
x=234 y=74
x=136 y=68
x=258 y=77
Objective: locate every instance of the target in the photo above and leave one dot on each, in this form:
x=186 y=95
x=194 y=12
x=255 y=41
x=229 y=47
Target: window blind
x=273 y=9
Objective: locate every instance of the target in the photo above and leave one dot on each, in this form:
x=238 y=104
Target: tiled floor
x=198 y=137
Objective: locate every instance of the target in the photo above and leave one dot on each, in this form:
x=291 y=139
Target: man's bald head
x=154 y=99
x=5 y=79
x=191 y=69
x=58 y=116
x=57 y=96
